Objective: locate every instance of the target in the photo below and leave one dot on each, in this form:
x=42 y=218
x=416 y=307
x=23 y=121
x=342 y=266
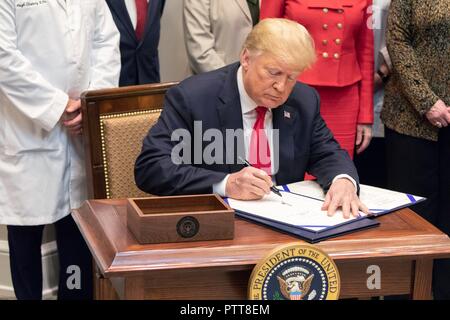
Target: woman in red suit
x=343 y=74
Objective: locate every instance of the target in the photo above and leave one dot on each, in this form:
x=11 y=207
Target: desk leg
x=103 y=290
x=134 y=288
x=423 y=275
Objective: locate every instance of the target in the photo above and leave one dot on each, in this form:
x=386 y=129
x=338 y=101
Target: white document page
x=307 y=188
x=304 y=212
x=376 y=199
x=380 y=200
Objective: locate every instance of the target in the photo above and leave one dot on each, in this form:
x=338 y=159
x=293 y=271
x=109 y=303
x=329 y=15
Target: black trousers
x=75 y=262
x=371 y=164
x=422 y=167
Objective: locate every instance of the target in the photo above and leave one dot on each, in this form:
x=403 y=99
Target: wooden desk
x=403 y=246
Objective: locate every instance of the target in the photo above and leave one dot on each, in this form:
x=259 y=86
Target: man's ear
x=244 y=58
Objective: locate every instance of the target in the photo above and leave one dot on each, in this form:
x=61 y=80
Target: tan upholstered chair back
x=115 y=123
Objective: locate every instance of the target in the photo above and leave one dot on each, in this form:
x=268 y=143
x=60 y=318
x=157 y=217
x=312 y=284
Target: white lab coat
x=50 y=50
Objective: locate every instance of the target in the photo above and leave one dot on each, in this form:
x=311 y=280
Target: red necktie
x=259 y=153
x=141 y=12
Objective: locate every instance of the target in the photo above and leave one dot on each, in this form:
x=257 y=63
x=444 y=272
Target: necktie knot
x=261 y=111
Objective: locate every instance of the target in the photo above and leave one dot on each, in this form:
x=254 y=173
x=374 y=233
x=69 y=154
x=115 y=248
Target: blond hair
x=285 y=39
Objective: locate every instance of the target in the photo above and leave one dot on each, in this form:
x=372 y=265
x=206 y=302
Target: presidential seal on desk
x=295 y=271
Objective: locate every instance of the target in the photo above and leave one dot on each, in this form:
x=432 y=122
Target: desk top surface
x=402 y=234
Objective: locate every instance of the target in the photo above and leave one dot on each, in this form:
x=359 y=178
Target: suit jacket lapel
x=121 y=11
x=230 y=117
x=285 y=121
x=244 y=7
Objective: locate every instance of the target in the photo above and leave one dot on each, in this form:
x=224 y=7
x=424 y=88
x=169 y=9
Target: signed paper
x=302 y=212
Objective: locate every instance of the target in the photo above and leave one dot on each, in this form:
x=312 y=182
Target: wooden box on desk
x=180 y=218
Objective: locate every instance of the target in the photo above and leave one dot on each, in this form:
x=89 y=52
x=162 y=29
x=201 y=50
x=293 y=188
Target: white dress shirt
x=249 y=116
x=131 y=7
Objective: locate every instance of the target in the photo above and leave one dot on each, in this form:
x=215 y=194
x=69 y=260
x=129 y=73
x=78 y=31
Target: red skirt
x=339 y=108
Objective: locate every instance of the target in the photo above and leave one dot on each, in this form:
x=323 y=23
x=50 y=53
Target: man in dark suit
x=138 y=22
x=259 y=96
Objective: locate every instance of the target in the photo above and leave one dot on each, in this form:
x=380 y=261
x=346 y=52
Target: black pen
x=272 y=188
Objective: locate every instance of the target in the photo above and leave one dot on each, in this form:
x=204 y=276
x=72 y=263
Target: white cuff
x=49 y=120
x=220 y=187
x=346 y=176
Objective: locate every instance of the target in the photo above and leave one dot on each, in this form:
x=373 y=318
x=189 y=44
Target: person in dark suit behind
x=275 y=120
x=138 y=22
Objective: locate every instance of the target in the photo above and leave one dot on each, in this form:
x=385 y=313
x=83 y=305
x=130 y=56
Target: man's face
x=267 y=80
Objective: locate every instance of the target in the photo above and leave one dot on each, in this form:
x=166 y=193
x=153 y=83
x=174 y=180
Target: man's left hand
x=342 y=194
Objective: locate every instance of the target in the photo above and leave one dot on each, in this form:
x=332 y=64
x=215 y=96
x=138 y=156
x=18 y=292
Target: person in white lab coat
x=50 y=51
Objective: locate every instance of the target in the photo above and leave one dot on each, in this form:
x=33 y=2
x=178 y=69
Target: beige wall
x=5 y=277
x=3 y=235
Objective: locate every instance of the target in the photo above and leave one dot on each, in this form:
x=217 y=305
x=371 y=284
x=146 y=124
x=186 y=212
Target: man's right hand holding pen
x=248 y=184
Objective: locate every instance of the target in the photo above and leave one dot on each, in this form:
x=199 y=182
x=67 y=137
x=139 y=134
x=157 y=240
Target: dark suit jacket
x=140 y=63
x=306 y=144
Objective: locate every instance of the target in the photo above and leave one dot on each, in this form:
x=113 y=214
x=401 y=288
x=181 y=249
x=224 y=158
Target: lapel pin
x=287 y=114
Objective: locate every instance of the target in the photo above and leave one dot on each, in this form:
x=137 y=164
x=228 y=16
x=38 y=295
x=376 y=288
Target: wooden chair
x=115 y=122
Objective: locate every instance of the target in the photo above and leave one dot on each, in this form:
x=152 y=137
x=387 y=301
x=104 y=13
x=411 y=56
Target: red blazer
x=343 y=40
